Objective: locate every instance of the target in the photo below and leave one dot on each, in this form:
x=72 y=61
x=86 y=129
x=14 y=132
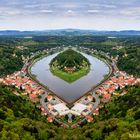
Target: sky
x=61 y=14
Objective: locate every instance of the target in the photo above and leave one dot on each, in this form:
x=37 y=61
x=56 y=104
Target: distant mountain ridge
x=69 y=32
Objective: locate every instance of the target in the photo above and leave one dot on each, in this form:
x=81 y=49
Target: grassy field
x=70 y=77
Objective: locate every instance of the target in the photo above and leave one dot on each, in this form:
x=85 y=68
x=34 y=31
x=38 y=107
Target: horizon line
x=68 y=29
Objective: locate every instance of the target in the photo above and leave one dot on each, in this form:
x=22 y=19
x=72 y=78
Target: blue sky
x=58 y=14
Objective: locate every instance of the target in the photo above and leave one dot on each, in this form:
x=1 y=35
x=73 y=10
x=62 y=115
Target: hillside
x=21 y=120
x=70 y=58
x=119 y=120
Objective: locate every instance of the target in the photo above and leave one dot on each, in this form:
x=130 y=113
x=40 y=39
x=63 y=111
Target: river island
x=70 y=65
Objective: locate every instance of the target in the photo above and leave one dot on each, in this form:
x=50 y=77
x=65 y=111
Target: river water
x=70 y=91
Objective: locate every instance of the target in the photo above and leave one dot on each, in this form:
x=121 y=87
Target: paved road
x=42 y=100
x=97 y=102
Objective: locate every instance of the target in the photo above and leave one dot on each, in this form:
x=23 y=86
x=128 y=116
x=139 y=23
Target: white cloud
x=70 y=13
x=31 y=6
x=13 y=13
x=135 y=11
x=93 y=11
x=46 y=11
x=109 y=6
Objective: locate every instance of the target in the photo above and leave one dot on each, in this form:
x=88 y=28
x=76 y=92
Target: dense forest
x=21 y=120
x=14 y=49
x=10 y=59
x=70 y=59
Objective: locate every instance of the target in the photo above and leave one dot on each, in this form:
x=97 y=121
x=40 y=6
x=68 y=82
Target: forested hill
x=66 y=32
x=118 y=120
x=21 y=120
x=70 y=58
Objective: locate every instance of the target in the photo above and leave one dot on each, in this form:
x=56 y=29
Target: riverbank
x=69 y=103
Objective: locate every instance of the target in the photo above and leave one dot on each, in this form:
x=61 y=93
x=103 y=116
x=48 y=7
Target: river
x=70 y=91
